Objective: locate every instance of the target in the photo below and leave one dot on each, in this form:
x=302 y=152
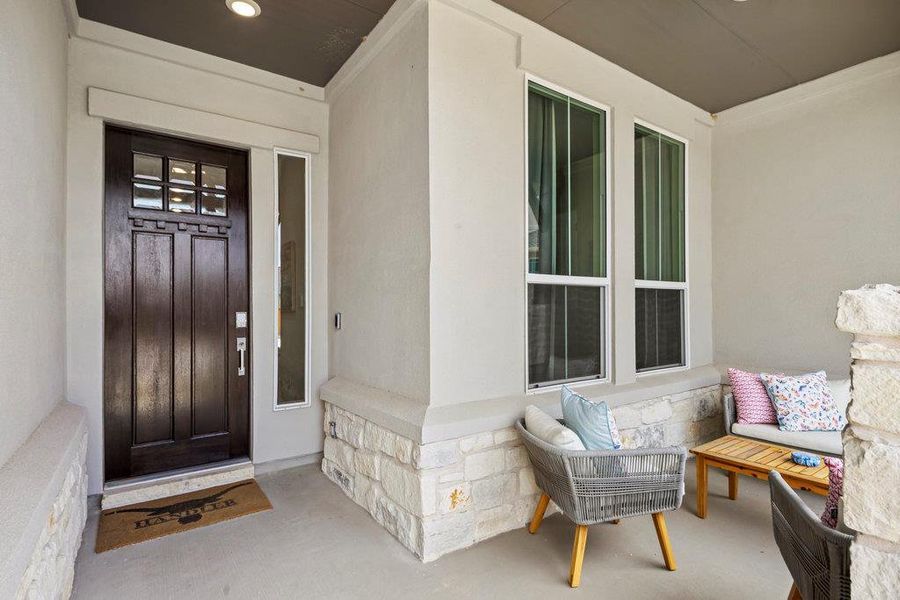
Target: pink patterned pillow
x=835 y=490
x=751 y=398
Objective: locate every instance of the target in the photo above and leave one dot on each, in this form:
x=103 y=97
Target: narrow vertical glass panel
x=588 y=190
x=213 y=177
x=212 y=204
x=671 y=210
x=182 y=201
x=182 y=171
x=147 y=167
x=548 y=182
x=659 y=316
x=585 y=328
x=565 y=333
x=147 y=196
x=546 y=334
x=646 y=204
x=292 y=301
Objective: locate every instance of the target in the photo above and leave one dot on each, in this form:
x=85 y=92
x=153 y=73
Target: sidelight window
x=660 y=251
x=566 y=219
x=292 y=296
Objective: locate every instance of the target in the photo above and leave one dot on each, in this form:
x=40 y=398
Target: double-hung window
x=660 y=260
x=567 y=282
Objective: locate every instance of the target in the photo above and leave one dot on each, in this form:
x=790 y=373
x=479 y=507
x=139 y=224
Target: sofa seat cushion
x=828 y=442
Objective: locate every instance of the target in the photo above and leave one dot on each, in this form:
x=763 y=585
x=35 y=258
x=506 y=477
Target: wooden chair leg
x=794 y=594
x=539 y=513
x=702 y=475
x=663 y=534
x=732 y=485
x=615 y=521
x=578 y=555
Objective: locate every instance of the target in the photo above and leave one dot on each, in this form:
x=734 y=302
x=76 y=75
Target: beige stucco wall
x=378 y=212
x=806 y=190
x=479 y=56
x=32 y=191
x=236 y=103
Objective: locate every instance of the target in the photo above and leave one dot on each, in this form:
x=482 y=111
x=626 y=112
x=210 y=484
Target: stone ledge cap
x=870 y=310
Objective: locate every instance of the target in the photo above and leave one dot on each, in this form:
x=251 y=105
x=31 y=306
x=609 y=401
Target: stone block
x=495 y=521
x=884 y=349
x=656 y=412
x=682 y=433
x=377 y=438
x=527 y=485
x=510 y=434
x=366 y=462
x=485 y=464
x=436 y=455
x=474 y=443
x=874 y=571
x=402 y=485
x=870 y=310
x=455 y=498
x=340 y=453
x=494 y=491
x=517 y=457
x=876 y=396
x=651 y=436
x=871 y=481
x=708 y=403
x=451 y=475
x=627 y=417
x=447 y=533
x=400 y=523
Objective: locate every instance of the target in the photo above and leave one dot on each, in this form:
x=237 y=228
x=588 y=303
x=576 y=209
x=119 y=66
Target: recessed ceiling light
x=244 y=8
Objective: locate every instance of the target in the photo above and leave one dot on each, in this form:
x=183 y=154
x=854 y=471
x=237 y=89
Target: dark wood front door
x=176 y=304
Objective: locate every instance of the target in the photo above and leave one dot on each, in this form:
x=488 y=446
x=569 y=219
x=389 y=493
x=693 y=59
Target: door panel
x=176 y=272
x=210 y=331
x=153 y=347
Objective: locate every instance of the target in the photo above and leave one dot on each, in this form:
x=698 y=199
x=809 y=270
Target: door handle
x=242 y=351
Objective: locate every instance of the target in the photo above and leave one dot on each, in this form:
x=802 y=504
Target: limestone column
x=872 y=439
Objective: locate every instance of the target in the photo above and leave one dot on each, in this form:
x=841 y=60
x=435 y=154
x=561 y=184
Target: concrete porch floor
x=316 y=543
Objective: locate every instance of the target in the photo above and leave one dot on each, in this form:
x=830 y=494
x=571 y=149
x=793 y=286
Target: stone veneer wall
x=439 y=497
x=51 y=571
x=872 y=439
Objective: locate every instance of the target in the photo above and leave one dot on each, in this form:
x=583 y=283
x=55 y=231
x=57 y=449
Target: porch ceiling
x=714 y=53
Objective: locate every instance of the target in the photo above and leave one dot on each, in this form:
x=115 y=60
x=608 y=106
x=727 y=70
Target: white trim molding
x=162 y=117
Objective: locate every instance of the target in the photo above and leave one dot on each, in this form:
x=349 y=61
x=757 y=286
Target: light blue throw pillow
x=592 y=421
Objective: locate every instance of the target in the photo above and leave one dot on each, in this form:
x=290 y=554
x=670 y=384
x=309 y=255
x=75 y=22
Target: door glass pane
x=147 y=196
x=659 y=316
x=646 y=204
x=182 y=171
x=147 y=167
x=213 y=177
x=565 y=333
x=292 y=301
x=212 y=204
x=548 y=185
x=182 y=201
x=588 y=218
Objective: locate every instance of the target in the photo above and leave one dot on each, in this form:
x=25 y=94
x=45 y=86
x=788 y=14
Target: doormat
x=144 y=521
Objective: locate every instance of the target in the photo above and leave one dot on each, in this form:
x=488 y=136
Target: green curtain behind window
x=659 y=206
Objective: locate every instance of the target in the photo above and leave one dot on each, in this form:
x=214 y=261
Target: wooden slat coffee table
x=738 y=455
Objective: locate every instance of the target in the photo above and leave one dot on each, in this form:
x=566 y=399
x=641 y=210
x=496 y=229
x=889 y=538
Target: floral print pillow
x=803 y=403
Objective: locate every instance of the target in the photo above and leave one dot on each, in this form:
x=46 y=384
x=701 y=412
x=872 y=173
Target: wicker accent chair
x=817 y=556
x=604 y=486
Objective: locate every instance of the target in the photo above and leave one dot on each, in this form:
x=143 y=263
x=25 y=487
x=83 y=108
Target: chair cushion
x=803 y=403
x=751 y=400
x=828 y=442
x=547 y=429
x=592 y=421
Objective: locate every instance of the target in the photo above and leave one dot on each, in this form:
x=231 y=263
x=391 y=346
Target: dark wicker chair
x=604 y=486
x=817 y=556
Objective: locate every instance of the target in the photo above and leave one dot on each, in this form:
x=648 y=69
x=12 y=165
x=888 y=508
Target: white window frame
x=572 y=280
x=673 y=285
x=307 y=387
